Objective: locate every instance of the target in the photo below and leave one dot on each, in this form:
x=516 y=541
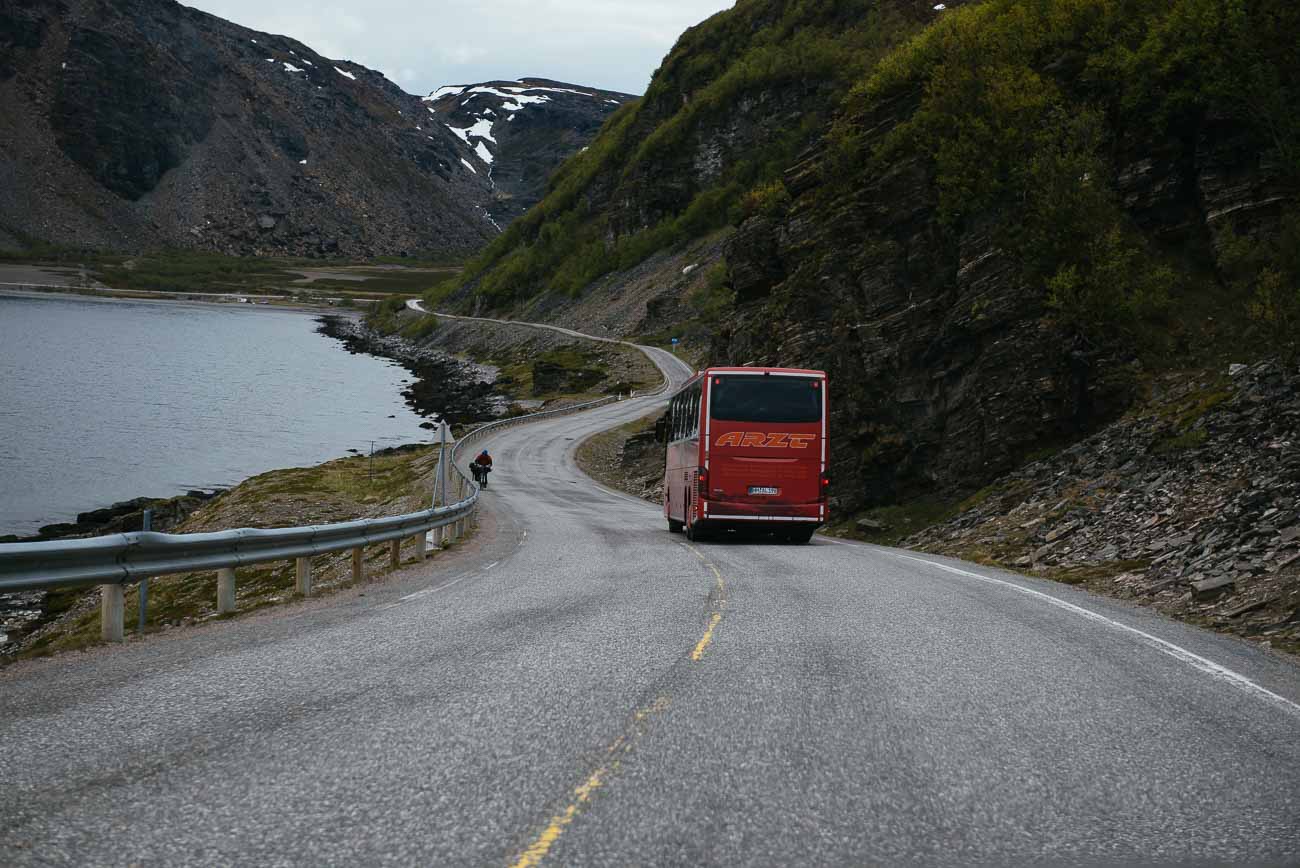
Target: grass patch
x=897 y=521
x=1088 y=574
x=562 y=372
x=602 y=457
x=1187 y=440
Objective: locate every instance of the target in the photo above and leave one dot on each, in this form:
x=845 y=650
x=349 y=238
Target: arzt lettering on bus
x=765 y=441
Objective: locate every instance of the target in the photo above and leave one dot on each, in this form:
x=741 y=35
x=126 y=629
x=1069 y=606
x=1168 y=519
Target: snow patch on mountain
x=446 y=90
x=482 y=129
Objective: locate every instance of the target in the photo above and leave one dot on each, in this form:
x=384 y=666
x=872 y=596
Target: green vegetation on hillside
x=1021 y=106
x=637 y=189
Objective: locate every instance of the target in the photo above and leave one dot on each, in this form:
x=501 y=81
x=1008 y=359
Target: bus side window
x=677 y=418
x=695 y=412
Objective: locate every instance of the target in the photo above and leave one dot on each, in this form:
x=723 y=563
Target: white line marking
x=428 y=591
x=1179 y=653
x=490 y=566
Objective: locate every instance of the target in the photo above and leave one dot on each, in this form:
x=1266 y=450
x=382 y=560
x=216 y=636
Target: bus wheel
x=694 y=533
x=674 y=526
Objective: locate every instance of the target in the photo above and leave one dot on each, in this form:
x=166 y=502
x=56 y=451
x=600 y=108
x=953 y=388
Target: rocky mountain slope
x=146 y=124
x=1005 y=215
x=1004 y=227
x=1019 y=215
x=518 y=132
x=1191 y=504
x=733 y=103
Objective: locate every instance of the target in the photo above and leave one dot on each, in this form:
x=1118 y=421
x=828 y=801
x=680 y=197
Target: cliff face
x=143 y=123
x=975 y=298
x=518 y=132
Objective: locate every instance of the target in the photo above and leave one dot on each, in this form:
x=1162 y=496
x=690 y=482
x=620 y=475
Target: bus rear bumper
x=756 y=514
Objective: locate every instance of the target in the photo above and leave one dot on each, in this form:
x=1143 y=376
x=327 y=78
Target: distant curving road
x=576 y=686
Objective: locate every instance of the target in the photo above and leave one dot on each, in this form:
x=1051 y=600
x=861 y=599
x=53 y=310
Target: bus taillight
x=826 y=484
x=702 y=480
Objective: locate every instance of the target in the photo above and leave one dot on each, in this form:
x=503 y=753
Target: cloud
x=615 y=44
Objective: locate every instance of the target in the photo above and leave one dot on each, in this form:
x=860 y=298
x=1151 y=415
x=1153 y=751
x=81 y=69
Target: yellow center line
x=582 y=793
x=706 y=638
x=718 y=603
x=542 y=844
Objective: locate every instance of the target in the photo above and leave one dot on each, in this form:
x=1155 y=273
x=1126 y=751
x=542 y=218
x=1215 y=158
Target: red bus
x=747 y=449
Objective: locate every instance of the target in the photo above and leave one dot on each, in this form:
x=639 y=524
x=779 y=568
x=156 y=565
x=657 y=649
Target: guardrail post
x=394 y=554
x=358 y=565
x=225 y=590
x=112 y=613
x=421 y=545
x=146 y=524
x=302 y=570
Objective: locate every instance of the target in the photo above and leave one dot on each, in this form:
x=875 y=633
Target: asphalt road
x=576 y=686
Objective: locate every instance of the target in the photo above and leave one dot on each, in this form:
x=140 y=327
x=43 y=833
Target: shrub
x=715 y=298
x=1266 y=272
x=767 y=200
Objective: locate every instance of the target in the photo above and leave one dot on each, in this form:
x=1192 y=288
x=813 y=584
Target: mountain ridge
x=145 y=124
x=514 y=143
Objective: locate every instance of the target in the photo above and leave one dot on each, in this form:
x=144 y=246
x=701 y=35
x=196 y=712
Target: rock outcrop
x=1191 y=505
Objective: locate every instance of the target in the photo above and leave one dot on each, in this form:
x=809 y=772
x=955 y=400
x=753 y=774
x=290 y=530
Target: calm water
x=102 y=402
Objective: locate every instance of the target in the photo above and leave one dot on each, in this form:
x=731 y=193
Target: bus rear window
x=773 y=398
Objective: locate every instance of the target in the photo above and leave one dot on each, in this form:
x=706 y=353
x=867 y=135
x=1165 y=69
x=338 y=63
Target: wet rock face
x=112 y=116
x=942 y=371
x=20 y=31
x=946 y=369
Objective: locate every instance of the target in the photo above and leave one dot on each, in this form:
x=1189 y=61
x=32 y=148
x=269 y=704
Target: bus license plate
x=763 y=489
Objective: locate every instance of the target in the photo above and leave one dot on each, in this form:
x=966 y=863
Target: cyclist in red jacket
x=481 y=467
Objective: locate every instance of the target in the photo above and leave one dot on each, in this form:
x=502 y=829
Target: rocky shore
x=444 y=386
x=25 y=611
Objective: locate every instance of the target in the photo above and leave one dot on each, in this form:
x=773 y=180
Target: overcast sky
x=615 y=44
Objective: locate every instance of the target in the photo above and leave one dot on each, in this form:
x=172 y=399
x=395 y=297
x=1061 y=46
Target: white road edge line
x=1179 y=653
x=428 y=591
x=490 y=566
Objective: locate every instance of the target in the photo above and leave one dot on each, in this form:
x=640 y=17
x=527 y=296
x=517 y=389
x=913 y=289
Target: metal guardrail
x=124 y=557
x=113 y=560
